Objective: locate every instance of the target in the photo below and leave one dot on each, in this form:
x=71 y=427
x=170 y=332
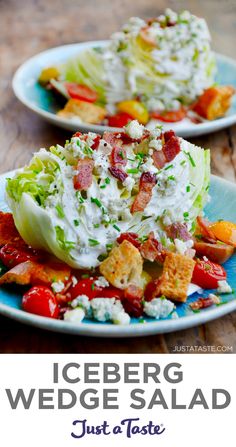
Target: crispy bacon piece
x=34 y=273
x=204 y=229
x=84 y=177
x=132 y=301
x=169 y=134
x=178 y=231
x=152 y=250
x=159 y=159
x=218 y=253
x=131 y=237
x=96 y=142
x=8 y=232
x=146 y=184
x=118 y=173
x=203 y=303
x=153 y=289
x=118 y=156
x=171 y=147
x=113 y=138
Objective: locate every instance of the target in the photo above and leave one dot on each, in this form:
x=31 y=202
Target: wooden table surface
x=30 y=26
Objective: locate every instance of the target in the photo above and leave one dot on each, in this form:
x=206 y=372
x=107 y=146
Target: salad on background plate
x=160 y=70
x=111 y=227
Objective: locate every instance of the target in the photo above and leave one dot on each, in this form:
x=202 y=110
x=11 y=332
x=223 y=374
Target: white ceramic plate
x=42 y=102
x=222 y=205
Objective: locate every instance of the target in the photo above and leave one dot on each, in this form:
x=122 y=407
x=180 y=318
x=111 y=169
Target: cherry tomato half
x=170 y=117
x=206 y=274
x=40 y=300
x=119 y=120
x=111 y=292
x=82 y=92
x=86 y=287
x=12 y=256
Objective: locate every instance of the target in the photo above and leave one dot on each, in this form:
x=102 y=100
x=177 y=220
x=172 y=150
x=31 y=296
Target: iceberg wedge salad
x=161 y=69
x=111 y=228
x=74 y=201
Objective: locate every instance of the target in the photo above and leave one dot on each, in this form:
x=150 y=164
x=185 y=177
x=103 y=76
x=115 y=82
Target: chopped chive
x=208 y=186
x=93 y=286
x=81 y=200
x=168 y=167
x=133 y=171
x=107 y=180
x=190 y=159
x=186 y=214
x=183 y=163
x=121 y=154
x=109 y=246
x=171 y=177
x=76 y=223
x=96 y=201
x=188 y=188
x=131 y=159
x=103 y=186
x=96 y=225
x=116 y=227
x=60 y=211
x=85 y=276
x=93 y=242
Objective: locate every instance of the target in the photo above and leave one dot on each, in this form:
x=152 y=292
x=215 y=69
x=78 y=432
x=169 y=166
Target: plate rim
x=119 y=331
x=205 y=127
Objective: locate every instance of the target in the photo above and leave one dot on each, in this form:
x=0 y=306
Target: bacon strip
x=152 y=250
x=178 y=231
x=203 y=303
x=146 y=184
x=159 y=159
x=84 y=177
x=171 y=147
x=118 y=173
x=118 y=156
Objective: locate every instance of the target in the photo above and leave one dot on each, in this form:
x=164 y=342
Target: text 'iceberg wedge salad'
x=160 y=69
x=111 y=227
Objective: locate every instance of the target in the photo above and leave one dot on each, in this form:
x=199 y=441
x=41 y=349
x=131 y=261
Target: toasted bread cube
x=214 y=102
x=87 y=112
x=176 y=277
x=123 y=266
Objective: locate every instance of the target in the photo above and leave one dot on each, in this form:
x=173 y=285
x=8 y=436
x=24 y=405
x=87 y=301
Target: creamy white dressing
x=91 y=221
x=180 y=65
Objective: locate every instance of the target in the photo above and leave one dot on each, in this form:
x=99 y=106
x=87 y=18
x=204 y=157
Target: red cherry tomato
x=40 y=300
x=170 y=117
x=82 y=92
x=111 y=292
x=206 y=274
x=119 y=120
x=12 y=256
x=86 y=287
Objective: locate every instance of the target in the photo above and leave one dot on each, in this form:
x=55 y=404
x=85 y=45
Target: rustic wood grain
x=30 y=26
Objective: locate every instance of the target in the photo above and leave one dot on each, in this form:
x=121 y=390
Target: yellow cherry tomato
x=47 y=74
x=225 y=232
x=135 y=109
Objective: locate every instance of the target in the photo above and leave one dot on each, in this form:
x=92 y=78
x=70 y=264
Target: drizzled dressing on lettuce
x=81 y=226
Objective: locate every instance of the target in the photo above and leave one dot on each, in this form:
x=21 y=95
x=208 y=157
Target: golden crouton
x=176 y=277
x=123 y=266
x=87 y=112
x=214 y=102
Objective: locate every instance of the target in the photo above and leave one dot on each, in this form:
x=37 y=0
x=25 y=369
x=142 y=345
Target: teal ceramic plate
x=43 y=102
x=222 y=205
